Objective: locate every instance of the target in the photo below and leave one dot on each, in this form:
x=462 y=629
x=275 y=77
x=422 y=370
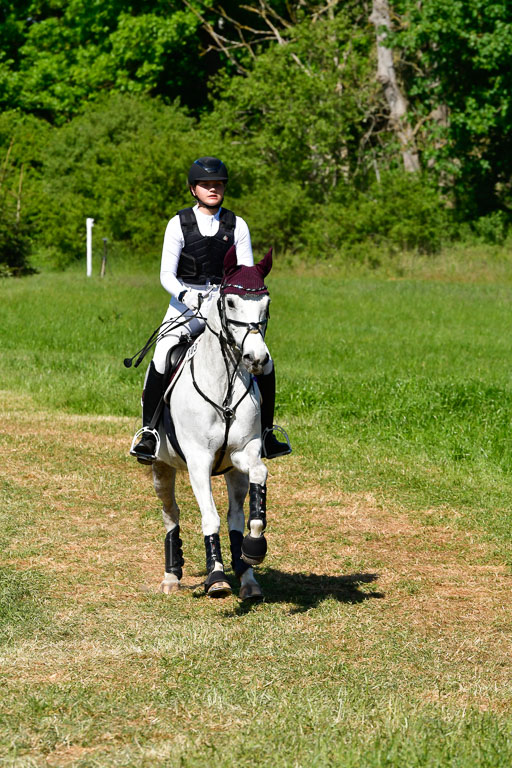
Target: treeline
x=349 y=128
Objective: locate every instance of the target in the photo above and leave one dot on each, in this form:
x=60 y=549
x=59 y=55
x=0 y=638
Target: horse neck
x=209 y=356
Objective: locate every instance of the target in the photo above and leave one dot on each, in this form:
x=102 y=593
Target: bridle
x=227 y=342
x=226 y=321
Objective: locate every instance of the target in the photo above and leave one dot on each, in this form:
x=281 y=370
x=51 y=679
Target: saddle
x=175 y=359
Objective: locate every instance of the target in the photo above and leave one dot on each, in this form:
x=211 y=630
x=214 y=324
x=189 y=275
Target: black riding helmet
x=207 y=169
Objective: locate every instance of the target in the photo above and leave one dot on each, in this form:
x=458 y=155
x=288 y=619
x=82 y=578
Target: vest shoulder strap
x=188 y=219
x=228 y=219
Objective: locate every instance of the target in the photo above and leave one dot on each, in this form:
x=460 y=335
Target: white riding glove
x=190 y=299
x=194 y=300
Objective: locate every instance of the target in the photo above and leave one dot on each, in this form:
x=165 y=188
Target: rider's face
x=209 y=192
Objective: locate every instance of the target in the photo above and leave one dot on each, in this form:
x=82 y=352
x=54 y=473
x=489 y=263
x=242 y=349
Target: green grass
x=397 y=395
x=404 y=386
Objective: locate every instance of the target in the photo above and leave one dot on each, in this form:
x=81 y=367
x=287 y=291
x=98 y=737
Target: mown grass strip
x=378 y=643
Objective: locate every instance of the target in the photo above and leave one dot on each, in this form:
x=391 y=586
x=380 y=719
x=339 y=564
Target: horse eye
x=231 y=304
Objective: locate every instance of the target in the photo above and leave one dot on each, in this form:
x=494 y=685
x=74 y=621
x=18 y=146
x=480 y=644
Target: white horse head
x=243 y=308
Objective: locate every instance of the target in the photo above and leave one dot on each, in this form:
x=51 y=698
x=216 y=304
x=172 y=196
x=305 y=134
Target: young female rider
x=195 y=243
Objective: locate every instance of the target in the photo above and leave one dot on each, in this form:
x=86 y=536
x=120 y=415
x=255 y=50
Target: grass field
x=385 y=638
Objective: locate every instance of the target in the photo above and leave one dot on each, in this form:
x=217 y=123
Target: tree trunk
x=386 y=75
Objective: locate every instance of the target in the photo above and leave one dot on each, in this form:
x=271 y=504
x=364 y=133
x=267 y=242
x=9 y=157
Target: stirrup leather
x=138 y=435
x=270 y=430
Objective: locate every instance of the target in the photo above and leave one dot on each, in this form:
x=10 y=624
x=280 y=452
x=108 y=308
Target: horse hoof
x=254 y=549
x=218 y=589
x=216 y=584
x=169 y=587
x=251 y=593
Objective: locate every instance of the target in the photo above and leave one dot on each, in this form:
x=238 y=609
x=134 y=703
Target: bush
x=124 y=163
x=492 y=228
x=14 y=250
x=401 y=212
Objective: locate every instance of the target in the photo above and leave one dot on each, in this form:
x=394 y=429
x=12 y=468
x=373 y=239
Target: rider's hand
x=190 y=299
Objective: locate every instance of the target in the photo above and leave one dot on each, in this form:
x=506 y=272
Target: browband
x=243 y=288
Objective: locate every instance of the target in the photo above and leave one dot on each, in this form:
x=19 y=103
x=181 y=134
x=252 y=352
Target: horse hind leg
x=164 y=477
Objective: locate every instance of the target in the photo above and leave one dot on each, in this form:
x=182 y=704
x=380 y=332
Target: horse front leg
x=237 y=485
x=215 y=584
x=254 y=545
x=164 y=477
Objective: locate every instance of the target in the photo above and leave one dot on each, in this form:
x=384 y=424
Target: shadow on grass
x=307 y=590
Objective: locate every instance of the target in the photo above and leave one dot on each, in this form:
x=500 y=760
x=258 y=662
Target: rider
x=195 y=243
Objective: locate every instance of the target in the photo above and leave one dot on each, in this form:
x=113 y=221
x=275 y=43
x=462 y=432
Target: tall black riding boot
x=153 y=393
x=271 y=446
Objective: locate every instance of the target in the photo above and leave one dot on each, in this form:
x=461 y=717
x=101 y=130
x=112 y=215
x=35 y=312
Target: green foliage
x=67 y=53
x=271 y=108
x=493 y=228
x=398 y=212
x=20 y=145
x=123 y=163
x=286 y=155
x=458 y=53
x=315 y=167
x=14 y=249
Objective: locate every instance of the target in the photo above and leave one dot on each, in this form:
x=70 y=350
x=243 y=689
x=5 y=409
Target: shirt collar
x=206 y=215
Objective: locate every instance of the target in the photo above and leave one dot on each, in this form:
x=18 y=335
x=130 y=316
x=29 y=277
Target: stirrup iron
x=271 y=430
x=139 y=434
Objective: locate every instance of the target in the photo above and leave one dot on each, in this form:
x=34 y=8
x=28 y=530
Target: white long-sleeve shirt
x=174 y=243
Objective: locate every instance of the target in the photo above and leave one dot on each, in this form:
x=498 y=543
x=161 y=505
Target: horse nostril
x=248 y=358
x=267 y=358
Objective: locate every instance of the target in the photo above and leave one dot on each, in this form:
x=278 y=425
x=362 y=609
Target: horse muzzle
x=255 y=363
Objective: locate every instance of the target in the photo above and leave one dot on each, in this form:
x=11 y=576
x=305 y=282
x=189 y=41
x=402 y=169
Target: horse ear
x=230 y=263
x=265 y=265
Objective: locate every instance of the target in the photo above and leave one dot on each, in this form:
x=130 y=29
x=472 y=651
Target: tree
x=296 y=133
x=455 y=56
x=386 y=75
x=124 y=163
x=58 y=55
x=14 y=243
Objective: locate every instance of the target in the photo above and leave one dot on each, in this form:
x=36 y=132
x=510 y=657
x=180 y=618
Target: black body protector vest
x=202 y=258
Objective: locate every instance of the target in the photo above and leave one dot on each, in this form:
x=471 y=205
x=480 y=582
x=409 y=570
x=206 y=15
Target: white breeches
x=182 y=321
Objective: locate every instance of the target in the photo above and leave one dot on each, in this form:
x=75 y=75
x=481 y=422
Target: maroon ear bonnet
x=243 y=280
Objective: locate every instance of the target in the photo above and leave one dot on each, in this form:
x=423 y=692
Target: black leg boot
x=237 y=564
x=216 y=584
x=271 y=446
x=144 y=451
x=173 y=553
x=254 y=548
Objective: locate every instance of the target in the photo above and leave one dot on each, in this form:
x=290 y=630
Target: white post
x=90 y=225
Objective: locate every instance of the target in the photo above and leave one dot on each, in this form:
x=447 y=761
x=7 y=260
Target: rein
x=159 y=333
